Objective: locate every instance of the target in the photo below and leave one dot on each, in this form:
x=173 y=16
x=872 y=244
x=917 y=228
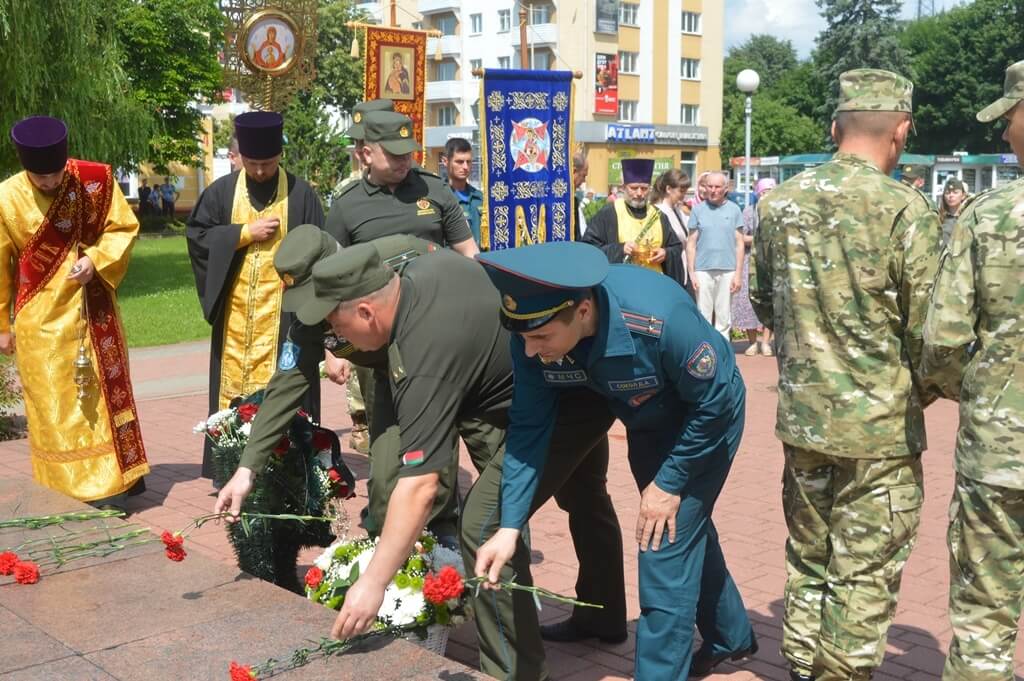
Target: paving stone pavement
x=170 y=385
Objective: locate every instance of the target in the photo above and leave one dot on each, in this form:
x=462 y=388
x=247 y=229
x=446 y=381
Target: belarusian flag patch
x=413 y=458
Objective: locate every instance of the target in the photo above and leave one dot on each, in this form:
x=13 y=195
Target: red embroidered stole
x=76 y=218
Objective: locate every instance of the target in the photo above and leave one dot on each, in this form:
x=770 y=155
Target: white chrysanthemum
x=323 y=561
x=245 y=429
x=442 y=557
x=215 y=419
x=199 y=427
x=362 y=560
x=401 y=606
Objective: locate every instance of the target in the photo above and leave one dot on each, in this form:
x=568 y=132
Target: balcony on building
x=451 y=46
x=444 y=90
x=426 y=7
x=537 y=35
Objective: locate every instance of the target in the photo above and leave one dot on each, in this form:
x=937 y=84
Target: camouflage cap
x=356 y=131
x=875 y=90
x=355 y=272
x=1013 y=92
x=393 y=131
x=300 y=249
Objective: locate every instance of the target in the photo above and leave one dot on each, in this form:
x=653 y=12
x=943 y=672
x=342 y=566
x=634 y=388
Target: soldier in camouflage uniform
x=977 y=305
x=843 y=266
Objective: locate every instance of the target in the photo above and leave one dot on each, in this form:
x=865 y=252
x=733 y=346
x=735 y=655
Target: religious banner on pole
x=526 y=163
x=395 y=68
x=606 y=83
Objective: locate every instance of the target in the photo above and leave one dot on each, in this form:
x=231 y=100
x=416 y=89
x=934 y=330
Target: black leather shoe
x=568 y=631
x=796 y=676
x=702 y=665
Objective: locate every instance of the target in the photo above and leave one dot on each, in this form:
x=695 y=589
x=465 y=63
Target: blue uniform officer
x=636 y=338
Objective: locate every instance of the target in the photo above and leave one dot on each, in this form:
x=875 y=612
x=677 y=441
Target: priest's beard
x=637 y=204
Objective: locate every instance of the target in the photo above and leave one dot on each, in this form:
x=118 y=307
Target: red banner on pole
x=606 y=84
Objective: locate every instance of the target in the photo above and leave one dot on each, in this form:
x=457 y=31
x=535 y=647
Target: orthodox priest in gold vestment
x=66 y=234
x=233 y=233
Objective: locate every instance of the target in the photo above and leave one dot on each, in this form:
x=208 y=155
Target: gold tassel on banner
x=354 y=53
x=437 y=53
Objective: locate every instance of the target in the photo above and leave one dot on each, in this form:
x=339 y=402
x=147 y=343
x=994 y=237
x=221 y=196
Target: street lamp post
x=747 y=81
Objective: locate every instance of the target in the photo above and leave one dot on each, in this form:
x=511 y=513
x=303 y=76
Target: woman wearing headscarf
x=667 y=196
x=743 y=316
x=954 y=194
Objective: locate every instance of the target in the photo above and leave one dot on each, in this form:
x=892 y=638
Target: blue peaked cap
x=537 y=282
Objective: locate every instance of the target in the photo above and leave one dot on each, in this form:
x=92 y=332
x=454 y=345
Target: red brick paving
x=748 y=516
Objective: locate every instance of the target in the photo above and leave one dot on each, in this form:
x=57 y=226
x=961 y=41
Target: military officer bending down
x=637 y=340
x=299 y=368
x=442 y=379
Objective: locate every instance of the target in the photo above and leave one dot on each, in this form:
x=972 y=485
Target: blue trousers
x=686 y=583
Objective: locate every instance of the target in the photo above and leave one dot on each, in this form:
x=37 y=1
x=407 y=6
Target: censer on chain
x=83 y=367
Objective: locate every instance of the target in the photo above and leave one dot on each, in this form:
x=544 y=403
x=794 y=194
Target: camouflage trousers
x=986 y=575
x=852 y=524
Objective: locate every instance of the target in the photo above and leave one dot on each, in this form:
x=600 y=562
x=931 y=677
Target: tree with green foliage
x=771 y=57
x=316 y=148
x=858 y=34
x=65 y=60
x=170 y=53
x=776 y=129
x=957 y=64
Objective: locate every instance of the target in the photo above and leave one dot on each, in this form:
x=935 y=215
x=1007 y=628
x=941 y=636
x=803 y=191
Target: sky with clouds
x=795 y=20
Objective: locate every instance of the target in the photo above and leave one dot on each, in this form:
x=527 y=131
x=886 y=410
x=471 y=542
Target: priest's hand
x=338 y=370
x=657 y=256
x=657 y=516
x=231 y=495
x=264 y=228
x=7 y=343
x=362 y=602
x=82 y=271
x=494 y=554
x=629 y=247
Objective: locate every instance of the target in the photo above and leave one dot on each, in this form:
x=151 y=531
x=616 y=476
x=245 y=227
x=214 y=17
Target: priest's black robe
x=603 y=232
x=216 y=258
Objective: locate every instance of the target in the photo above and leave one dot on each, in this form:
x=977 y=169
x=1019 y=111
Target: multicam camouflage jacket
x=978 y=303
x=844 y=261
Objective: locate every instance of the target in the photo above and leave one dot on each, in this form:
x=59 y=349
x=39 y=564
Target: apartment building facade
x=668 y=55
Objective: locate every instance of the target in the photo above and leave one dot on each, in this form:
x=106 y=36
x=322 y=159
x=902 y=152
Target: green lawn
x=158 y=297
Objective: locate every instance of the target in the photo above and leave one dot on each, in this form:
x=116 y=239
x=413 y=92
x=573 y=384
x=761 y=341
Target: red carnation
x=247 y=411
x=445 y=586
x=26 y=572
x=8 y=559
x=322 y=440
x=313 y=577
x=173 y=546
x=343 y=492
x=282 y=447
x=241 y=672
x=334 y=475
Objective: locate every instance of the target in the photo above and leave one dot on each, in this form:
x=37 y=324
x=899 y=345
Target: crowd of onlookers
x=158 y=200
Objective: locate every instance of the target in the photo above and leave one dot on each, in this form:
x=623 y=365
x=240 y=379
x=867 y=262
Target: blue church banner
x=526 y=159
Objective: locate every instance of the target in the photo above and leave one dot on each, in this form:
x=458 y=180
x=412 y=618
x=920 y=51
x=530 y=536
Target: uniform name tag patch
x=632 y=384
x=577 y=376
x=289 y=356
x=413 y=458
x=702 y=362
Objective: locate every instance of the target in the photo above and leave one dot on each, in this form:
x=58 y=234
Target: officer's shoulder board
x=398 y=261
x=346 y=187
x=395 y=365
x=426 y=173
x=644 y=324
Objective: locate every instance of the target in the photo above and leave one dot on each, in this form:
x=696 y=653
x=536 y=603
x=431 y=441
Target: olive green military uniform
x=299 y=368
x=977 y=305
x=843 y=265
x=442 y=379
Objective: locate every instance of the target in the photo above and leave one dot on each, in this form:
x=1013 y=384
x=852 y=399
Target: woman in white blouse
x=668 y=194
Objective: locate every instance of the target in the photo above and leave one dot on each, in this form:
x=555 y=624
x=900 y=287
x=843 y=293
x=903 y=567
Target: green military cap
x=1013 y=92
x=393 y=131
x=912 y=172
x=355 y=272
x=954 y=183
x=875 y=90
x=300 y=249
x=356 y=131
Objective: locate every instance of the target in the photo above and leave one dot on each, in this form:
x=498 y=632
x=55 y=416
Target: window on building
x=504 y=62
x=446 y=114
x=541 y=60
x=445 y=70
x=971 y=179
x=541 y=14
x=504 y=20
x=628 y=62
x=475 y=64
x=476 y=23
x=629 y=13
x=689 y=114
x=689 y=69
x=688 y=164
x=691 y=23
x=447 y=24
x=627 y=110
